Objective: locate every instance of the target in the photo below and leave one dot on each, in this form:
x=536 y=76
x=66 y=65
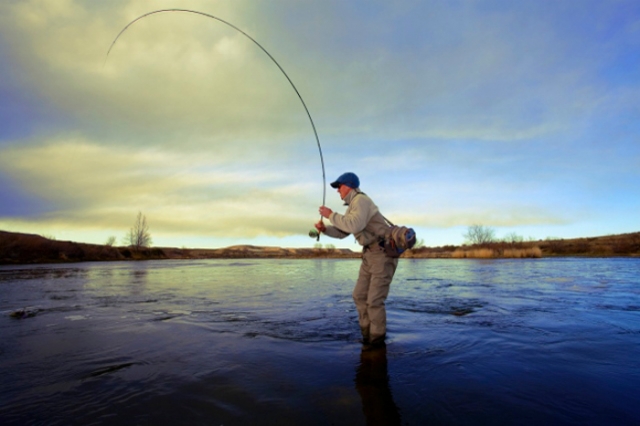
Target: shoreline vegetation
x=18 y=248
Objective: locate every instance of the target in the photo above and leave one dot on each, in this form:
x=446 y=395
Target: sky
x=521 y=116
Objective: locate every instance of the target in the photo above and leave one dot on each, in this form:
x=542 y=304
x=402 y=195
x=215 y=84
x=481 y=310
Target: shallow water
x=540 y=341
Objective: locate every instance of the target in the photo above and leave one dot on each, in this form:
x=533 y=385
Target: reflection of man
x=364 y=221
x=372 y=383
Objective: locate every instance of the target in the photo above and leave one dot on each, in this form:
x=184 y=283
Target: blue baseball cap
x=349 y=179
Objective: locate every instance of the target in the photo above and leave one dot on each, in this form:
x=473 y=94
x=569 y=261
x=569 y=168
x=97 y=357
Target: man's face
x=343 y=190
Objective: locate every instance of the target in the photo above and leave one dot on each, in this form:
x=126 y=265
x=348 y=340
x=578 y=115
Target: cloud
x=451 y=113
x=95 y=185
x=174 y=72
x=469 y=73
x=464 y=73
x=510 y=217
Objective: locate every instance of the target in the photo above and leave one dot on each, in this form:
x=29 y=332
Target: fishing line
x=313 y=126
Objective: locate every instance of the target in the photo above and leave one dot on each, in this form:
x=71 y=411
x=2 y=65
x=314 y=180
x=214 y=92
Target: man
x=364 y=221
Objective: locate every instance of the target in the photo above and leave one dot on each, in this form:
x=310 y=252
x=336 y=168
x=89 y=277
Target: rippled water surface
x=541 y=341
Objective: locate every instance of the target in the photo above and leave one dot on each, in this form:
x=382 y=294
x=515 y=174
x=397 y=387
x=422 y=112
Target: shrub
x=479 y=253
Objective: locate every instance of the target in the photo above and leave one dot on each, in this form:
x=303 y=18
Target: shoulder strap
x=385 y=219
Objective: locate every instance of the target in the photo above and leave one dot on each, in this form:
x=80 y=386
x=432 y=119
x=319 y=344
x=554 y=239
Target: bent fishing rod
x=313 y=126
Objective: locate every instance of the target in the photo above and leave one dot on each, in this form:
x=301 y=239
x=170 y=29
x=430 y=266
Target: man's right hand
x=320 y=226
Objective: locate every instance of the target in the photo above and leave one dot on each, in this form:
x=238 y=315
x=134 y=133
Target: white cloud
x=487 y=77
x=92 y=184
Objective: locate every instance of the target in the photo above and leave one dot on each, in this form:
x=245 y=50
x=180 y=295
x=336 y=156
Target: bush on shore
x=487 y=253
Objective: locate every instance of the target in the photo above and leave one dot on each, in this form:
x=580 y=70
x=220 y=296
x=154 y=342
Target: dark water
x=541 y=341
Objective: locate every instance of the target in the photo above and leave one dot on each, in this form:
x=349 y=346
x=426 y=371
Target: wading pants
x=371 y=290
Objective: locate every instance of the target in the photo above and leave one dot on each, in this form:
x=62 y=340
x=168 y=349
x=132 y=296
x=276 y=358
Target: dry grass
x=479 y=253
x=607 y=246
x=489 y=253
x=522 y=253
x=622 y=245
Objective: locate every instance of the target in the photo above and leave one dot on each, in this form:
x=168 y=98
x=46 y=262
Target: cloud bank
x=509 y=114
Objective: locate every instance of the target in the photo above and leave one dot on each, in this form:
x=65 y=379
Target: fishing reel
x=314 y=234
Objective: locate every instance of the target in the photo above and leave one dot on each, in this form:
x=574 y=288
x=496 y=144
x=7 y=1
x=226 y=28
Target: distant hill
x=29 y=248
x=18 y=248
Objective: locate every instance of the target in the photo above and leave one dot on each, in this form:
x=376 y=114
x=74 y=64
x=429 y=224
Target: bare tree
x=480 y=234
x=139 y=234
x=111 y=241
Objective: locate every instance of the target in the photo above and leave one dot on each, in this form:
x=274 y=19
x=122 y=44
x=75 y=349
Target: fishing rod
x=313 y=233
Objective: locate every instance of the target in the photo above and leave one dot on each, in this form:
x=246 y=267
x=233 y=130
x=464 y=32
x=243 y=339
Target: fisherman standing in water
x=364 y=221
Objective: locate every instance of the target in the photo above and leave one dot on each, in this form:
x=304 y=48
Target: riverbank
x=18 y=248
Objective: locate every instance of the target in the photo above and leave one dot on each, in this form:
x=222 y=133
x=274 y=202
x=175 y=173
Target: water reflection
x=138 y=279
x=372 y=383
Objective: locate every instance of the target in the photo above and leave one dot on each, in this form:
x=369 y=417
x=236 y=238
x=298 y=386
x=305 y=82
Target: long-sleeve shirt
x=362 y=219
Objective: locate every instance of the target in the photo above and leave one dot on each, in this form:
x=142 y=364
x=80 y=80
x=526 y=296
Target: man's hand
x=325 y=211
x=320 y=226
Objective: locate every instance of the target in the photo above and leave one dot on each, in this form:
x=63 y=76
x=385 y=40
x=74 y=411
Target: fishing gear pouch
x=398 y=239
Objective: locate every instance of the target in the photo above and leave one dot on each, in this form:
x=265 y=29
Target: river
x=276 y=342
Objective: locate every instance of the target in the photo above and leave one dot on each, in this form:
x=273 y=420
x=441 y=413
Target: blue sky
x=522 y=116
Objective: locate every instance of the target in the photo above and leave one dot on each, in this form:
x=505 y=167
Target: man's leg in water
x=360 y=296
x=382 y=269
x=371 y=291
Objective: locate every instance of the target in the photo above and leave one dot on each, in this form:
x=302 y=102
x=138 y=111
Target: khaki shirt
x=362 y=219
